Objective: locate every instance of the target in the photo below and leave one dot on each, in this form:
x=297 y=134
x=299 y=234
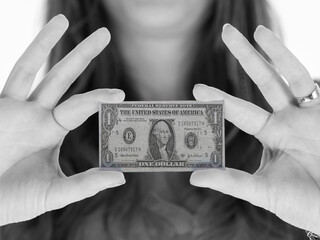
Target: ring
x=312 y=96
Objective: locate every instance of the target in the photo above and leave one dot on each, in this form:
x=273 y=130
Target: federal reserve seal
x=191 y=140
x=129 y=135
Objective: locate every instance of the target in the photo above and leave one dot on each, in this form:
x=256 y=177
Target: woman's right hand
x=32 y=128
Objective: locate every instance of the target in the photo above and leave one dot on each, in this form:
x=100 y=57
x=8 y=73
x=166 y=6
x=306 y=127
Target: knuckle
x=279 y=55
x=43 y=45
x=25 y=69
x=265 y=80
x=58 y=78
x=76 y=98
x=83 y=54
x=296 y=78
x=241 y=118
x=248 y=55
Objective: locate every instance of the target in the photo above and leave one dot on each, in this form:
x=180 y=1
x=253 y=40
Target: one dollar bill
x=161 y=136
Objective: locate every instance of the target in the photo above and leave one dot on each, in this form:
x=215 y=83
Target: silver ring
x=312 y=96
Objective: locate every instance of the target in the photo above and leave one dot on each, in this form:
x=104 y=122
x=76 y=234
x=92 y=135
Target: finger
x=23 y=73
x=74 y=111
x=68 y=190
x=239 y=184
x=63 y=74
x=298 y=77
x=245 y=115
x=260 y=71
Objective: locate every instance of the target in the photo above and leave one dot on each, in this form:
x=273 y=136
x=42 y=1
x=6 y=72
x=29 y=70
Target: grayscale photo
x=160 y=120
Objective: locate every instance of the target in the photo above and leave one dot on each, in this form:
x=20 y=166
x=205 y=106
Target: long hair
x=123 y=212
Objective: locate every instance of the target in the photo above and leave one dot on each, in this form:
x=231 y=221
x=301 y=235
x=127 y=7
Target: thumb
x=68 y=190
x=239 y=184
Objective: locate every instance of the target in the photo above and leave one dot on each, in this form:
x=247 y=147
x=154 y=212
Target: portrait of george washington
x=161 y=140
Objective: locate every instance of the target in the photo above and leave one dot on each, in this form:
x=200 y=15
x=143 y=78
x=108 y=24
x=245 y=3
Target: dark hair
x=122 y=210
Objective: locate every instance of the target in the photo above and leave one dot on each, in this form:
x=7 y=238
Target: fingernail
x=106 y=179
x=115 y=91
x=61 y=20
x=197 y=179
x=261 y=27
x=103 y=37
x=200 y=85
x=105 y=31
x=202 y=93
x=58 y=16
x=225 y=26
x=121 y=183
x=119 y=94
x=118 y=177
x=112 y=185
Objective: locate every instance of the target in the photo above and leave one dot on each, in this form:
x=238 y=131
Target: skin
x=287 y=182
x=158 y=43
x=154 y=18
x=32 y=129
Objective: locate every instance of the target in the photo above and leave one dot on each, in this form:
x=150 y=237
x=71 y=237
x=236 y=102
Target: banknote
x=161 y=136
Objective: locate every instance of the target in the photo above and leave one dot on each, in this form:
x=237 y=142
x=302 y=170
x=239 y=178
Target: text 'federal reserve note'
x=161 y=136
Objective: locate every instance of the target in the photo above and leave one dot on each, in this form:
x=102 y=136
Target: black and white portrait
x=63 y=166
x=161 y=140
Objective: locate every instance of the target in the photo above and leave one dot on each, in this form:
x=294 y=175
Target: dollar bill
x=161 y=136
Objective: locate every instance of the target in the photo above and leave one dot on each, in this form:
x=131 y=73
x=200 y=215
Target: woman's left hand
x=287 y=182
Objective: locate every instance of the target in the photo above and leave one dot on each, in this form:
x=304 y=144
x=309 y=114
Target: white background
x=299 y=21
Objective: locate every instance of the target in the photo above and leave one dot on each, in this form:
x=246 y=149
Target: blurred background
x=299 y=22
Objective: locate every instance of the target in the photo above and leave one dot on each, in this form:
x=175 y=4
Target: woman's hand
x=288 y=180
x=32 y=128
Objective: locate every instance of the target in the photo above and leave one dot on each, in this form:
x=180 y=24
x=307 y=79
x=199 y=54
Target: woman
x=167 y=46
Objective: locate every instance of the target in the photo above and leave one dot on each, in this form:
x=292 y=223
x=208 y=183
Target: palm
x=295 y=129
x=32 y=128
x=26 y=185
x=290 y=190
x=30 y=165
x=290 y=162
x=288 y=179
